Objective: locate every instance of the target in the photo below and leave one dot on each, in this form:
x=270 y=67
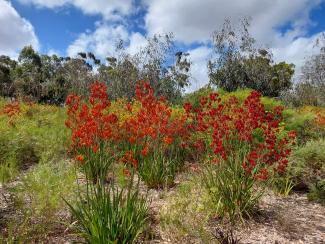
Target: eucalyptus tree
x=7 y=66
x=310 y=89
x=27 y=74
x=238 y=63
x=156 y=62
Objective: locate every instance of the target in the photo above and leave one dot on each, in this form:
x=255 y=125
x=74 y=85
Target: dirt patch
x=286 y=220
x=280 y=220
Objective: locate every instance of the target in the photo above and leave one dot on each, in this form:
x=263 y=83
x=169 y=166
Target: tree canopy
x=238 y=63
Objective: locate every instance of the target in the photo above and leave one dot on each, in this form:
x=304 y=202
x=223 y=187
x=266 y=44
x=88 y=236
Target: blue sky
x=57 y=28
x=288 y=27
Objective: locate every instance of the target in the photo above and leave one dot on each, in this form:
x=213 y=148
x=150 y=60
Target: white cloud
x=136 y=42
x=106 y=8
x=111 y=9
x=51 y=52
x=15 y=31
x=45 y=3
x=193 y=20
x=199 y=71
x=101 y=42
x=296 y=51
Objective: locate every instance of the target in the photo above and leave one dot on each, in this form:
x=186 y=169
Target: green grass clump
x=234 y=194
x=158 y=170
x=108 y=214
x=38 y=197
x=44 y=186
x=187 y=213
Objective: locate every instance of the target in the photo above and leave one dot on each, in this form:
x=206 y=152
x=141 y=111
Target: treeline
x=49 y=79
x=237 y=62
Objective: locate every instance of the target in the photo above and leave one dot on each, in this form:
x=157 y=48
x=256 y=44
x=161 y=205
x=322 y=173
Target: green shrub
x=302 y=123
x=48 y=132
x=4 y=147
x=240 y=94
x=270 y=103
x=107 y=214
x=317 y=191
x=305 y=93
x=307 y=167
x=283 y=184
x=8 y=167
x=26 y=154
x=194 y=97
x=16 y=154
x=308 y=163
x=8 y=170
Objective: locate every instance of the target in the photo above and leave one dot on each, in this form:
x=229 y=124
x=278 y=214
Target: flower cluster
x=152 y=126
x=230 y=126
x=221 y=127
x=319 y=123
x=91 y=123
x=12 y=110
x=320 y=118
x=147 y=126
x=129 y=158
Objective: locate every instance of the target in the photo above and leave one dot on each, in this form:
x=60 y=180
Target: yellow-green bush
x=37 y=134
x=303 y=122
x=240 y=94
x=194 y=97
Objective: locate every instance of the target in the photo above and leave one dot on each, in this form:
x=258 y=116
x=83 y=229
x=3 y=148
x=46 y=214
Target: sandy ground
x=286 y=220
x=281 y=220
x=293 y=219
